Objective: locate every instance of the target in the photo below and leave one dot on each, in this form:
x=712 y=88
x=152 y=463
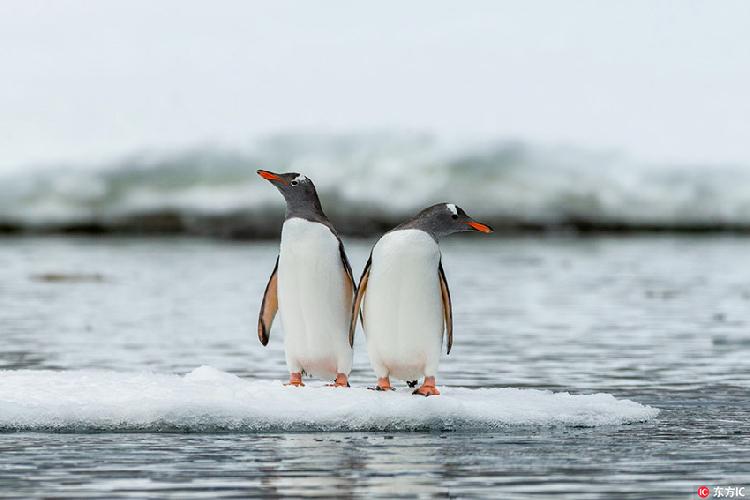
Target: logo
x=704 y=491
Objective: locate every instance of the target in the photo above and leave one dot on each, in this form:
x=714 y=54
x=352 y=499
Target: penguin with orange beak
x=404 y=298
x=311 y=287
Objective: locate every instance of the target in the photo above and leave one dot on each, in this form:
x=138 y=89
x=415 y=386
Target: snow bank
x=208 y=400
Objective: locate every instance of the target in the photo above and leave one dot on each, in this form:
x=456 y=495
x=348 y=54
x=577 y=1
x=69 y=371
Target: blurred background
x=152 y=117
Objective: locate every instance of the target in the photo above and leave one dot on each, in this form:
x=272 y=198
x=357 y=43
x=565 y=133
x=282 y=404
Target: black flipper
x=347 y=270
x=358 y=300
x=269 y=306
x=447 y=307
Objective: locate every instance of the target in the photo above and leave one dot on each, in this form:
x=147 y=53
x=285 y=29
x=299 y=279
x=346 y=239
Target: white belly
x=403 y=307
x=313 y=302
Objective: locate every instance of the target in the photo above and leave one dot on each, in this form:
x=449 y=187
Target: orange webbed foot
x=428 y=388
x=341 y=381
x=384 y=384
x=295 y=380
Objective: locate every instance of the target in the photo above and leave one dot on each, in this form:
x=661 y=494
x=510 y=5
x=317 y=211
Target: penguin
x=311 y=287
x=404 y=301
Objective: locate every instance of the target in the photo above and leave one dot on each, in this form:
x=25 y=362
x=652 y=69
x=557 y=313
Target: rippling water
x=663 y=321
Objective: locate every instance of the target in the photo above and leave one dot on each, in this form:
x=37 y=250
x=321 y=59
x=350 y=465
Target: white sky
x=86 y=80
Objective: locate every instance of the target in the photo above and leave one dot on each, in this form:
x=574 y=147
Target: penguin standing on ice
x=405 y=299
x=311 y=287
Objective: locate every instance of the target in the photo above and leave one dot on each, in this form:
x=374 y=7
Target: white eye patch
x=300 y=178
x=452 y=208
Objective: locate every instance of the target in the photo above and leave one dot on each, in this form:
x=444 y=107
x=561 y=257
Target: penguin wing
x=269 y=306
x=358 y=301
x=351 y=288
x=447 y=307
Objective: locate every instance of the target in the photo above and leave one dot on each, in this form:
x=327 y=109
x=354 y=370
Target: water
x=660 y=321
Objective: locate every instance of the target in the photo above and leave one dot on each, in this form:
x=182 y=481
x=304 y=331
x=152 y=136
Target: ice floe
x=209 y=400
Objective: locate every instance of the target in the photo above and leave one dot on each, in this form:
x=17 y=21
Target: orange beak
x=478 y=226
x=270 y=176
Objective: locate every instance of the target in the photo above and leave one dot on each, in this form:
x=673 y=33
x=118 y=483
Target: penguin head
x=298 y=190
x=446 y=218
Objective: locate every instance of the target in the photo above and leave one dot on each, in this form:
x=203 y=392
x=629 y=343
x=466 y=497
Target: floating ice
x=208 y=400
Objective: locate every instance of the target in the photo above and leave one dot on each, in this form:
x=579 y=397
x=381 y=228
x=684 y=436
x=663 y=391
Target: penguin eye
x=454 y=216
x=294 y=183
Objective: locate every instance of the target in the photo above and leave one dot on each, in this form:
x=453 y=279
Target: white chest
x=408 y=252
x=306 y=240
x=311 y=291
x=403 y=287
x=309 y=263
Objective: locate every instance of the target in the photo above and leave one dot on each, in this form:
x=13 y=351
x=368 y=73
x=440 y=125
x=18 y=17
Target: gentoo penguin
x=311 y=286
x=405 y=299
